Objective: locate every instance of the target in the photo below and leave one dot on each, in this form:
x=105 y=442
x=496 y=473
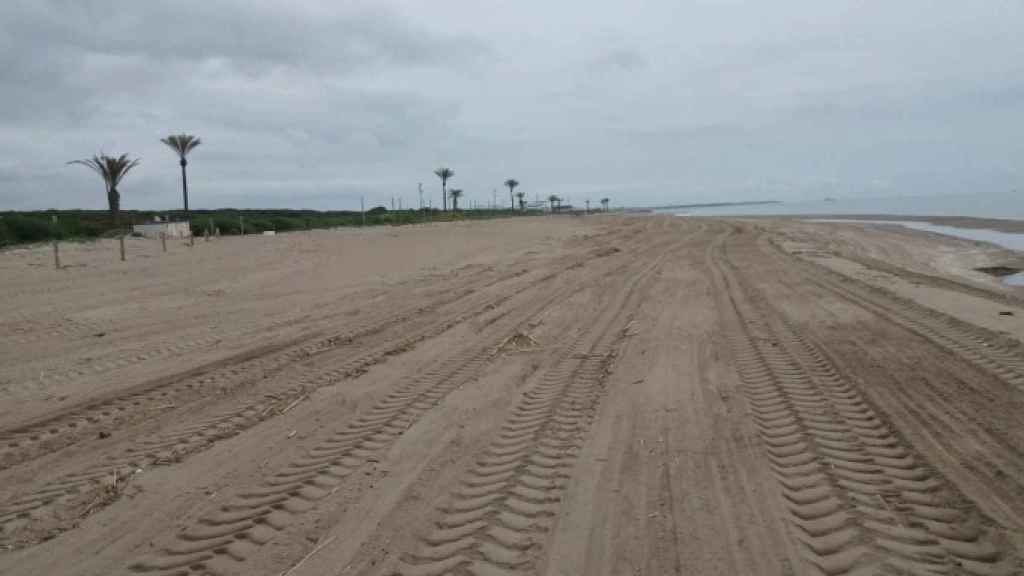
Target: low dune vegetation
x=38 y=226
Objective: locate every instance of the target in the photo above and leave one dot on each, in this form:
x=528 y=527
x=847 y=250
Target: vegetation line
x=37 y=226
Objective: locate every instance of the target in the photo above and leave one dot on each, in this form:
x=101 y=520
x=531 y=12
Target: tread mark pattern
x=50 y=434
x=175 y=445
x=860 y=500
x=978 y=345
x=254 y=517
x=495 y=522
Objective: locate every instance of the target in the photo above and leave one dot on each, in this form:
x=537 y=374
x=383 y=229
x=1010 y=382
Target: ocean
x=1000 y=205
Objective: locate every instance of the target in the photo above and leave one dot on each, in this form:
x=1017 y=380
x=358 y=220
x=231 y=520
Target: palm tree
x=455 y=195
x=522 y=201
x=604 y=202
x=552 y=199
x=182 y=144
x=511 y=183
x=112 y=170
x=444 y=174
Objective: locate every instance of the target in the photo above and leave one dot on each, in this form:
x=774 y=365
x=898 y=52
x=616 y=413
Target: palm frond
x=118 y=168
x=444 y=173
x=93 y=163
x=182 y=144
x=111 y=169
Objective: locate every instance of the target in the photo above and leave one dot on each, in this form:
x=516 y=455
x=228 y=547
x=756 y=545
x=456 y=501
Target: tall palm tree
x=444 y=174
x=552 y=199
x=604 y=202
x=511 y=183
x=455 y=194
x=522 y=202
x=112 y=170
x=182 y=144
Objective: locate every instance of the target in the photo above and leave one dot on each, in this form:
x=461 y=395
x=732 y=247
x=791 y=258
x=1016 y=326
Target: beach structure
x=157 y=226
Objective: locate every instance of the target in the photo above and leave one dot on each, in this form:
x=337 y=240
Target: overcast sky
x=307 y=104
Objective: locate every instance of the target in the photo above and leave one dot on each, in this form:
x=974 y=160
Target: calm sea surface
x=1003 y=205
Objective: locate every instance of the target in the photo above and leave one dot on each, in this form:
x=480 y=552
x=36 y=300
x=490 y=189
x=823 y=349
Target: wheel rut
x=49 y=434
x=496 y=520
x=101 y=483
x=859 y=498
x=223 y=538
x=983 y=348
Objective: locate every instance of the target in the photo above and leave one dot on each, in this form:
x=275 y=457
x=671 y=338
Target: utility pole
x=494 y=200
x=588 y=205
x=362 y=208
x=421 y=195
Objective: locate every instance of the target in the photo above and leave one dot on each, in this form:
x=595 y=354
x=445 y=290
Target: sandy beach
x=599 y=395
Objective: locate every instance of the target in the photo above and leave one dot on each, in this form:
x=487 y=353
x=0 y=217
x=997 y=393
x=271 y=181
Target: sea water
x=998 y=205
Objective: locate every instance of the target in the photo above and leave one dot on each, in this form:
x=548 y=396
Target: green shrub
x=19 y=229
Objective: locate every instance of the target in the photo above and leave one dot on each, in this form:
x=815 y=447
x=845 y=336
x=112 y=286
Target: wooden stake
x=56 y=249
x=121 y=239
x=163 y=240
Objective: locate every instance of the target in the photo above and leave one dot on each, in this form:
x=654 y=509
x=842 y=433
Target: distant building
x=156 y=227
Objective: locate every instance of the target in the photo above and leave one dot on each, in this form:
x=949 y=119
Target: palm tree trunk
x=512 y=197
x=114 y=202
x=184 y=190
x=444 y=196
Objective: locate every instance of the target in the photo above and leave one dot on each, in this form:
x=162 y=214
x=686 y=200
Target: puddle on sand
x=1011 y=276
x=1014 y=279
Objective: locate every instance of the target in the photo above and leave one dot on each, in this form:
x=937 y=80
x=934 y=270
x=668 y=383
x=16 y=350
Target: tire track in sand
x=63 y=429
x=495 y=521
x=98 y=485
x=228 y=535
x=984 y=348
x=97 y=481
x=859 y=498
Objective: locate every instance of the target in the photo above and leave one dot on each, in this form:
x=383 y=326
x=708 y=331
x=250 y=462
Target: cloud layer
x=314 y=104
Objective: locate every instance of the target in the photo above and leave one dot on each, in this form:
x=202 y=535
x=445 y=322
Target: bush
x=17 y=229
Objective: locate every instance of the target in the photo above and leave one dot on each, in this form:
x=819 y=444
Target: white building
x=171 y=229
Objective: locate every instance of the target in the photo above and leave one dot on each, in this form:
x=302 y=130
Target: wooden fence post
x=163 y=240
x=56 y=249
x=121 y=238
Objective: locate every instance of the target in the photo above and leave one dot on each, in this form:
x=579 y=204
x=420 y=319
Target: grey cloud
x=308 y=103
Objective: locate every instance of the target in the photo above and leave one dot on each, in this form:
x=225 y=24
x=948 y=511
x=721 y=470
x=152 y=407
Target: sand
x=552 y=395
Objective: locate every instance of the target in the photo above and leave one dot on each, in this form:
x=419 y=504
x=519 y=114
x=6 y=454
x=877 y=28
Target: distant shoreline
x=966 y=222
x=712 y=205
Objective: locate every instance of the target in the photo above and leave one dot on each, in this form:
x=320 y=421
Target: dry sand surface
x=556 y=396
